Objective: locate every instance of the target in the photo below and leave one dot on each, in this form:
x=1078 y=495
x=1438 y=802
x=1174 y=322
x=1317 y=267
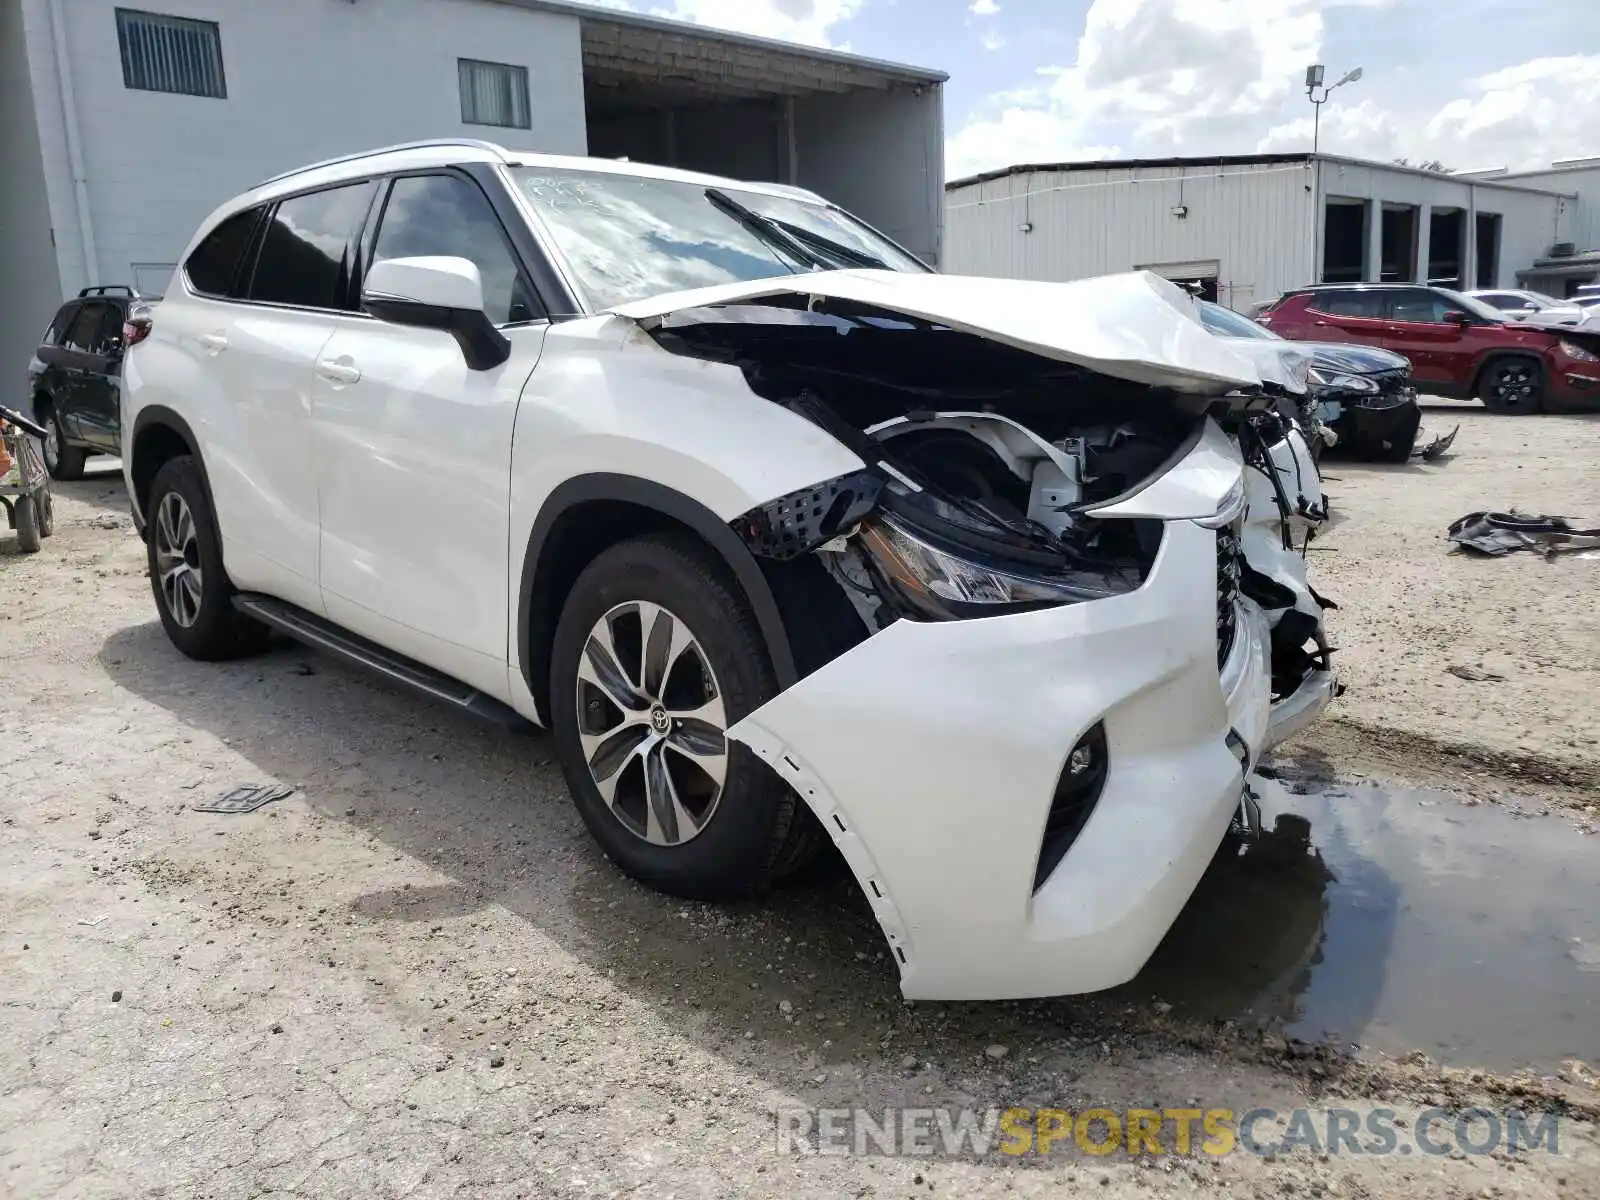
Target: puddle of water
x=1399 y=920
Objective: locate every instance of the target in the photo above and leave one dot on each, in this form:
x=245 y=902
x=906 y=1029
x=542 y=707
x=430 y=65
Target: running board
x=324 y=635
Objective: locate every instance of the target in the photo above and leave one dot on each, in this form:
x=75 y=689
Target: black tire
x=759 y=829
x=1512 y=384
x=218 y=630
x=46 y=504
x=69 y=460
x=26 y=519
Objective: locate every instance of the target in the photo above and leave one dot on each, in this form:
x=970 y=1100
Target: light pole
x=1314 y=77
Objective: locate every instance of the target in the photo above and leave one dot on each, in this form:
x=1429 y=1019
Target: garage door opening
x=866 y=135
x=1344 y=240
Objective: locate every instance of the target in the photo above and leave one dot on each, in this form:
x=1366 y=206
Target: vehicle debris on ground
x=1496 y=533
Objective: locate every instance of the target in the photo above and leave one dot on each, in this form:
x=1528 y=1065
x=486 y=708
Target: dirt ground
x=1411 y=607
x=417 y=977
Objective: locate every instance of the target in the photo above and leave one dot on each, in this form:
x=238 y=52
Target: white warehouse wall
x=1253 y=219
x=29 y=279
x=1531 y=220
x=880 y=154
x=1583 y=229
x=306 y=79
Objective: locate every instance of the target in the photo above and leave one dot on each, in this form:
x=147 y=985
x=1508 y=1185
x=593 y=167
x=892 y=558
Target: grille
x=1230 y=556
x=1392 y=383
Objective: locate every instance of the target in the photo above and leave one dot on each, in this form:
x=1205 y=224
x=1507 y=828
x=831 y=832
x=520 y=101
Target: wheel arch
x=589 y=513
x=159 y=435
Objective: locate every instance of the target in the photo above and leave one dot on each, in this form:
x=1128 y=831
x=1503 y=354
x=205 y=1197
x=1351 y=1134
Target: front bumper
x=932 y=750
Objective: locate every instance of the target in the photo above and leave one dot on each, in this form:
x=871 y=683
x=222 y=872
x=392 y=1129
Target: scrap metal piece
x=1495 y=534
x=1439 y=446
x=245 y=798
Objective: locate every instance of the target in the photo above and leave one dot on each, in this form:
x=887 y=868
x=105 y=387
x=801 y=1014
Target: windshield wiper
x=765 y=228
x=826 y=245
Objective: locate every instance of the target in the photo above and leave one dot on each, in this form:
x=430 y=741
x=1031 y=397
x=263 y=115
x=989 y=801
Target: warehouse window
x=171 y=54
x=494 y=94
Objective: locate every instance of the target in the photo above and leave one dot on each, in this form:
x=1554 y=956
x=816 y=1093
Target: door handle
x=214 y=342
x=338 y=370
x=1319 y=322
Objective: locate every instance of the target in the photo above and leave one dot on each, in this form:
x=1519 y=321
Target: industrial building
x=125 y=125
x=1247 y=228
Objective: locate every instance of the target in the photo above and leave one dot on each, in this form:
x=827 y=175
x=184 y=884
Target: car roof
x=446 y=152
x=1363 y=287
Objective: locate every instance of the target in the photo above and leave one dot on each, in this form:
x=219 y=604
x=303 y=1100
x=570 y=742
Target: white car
x=997 y=585
x=1532 y=308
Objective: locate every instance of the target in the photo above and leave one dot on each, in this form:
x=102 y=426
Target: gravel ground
x=1412 y=607
x=418 y=978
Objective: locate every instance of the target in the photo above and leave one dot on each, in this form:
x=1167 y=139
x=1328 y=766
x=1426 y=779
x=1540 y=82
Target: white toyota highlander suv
x=1000 y=586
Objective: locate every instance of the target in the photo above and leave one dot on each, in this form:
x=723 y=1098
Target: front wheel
x=656 y=656
x=1513 y=385
x=64 y=462
x=193 y=595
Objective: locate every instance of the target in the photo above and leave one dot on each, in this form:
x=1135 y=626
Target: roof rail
x=106 y=289
x=426 y=143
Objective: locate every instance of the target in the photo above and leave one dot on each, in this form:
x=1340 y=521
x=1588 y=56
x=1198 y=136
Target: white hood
x=1136 y=326
x=1279 y=362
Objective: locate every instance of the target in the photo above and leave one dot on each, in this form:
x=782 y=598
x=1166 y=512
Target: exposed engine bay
x=994 y=476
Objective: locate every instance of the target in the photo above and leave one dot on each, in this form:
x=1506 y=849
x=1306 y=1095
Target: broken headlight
x=942 y=584
x=1337 y=379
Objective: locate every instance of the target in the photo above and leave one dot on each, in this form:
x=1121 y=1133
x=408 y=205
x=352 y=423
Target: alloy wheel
x=652 y=723
x=1516 y=385
x=178 y=559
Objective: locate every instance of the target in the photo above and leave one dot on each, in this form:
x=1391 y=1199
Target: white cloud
x=805 y=21
x=1168 y=75
x=983 y=8
x=993 y=41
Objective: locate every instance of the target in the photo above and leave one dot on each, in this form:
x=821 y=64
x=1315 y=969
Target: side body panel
x=413 y=458
x=607 y=400
x=241 y=376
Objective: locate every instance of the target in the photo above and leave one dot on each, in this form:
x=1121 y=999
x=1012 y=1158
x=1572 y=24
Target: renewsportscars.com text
x=1022 y=1132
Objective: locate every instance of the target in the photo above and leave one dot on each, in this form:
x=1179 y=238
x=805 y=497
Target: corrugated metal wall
x=1584 y=228
x=1253 y=220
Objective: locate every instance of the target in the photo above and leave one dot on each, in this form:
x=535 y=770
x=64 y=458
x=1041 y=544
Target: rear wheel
x=26 y=518
x=61 y=460
x=1513 y=385
x=655 y=657
x=193 y=595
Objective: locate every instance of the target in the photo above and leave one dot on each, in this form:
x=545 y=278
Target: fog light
x=1077 y=791
x=1080 y=760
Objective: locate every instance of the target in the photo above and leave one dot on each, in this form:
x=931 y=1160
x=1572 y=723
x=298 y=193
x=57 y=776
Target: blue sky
x=1472 y=83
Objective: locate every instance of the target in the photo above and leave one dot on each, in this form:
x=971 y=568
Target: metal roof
x=631 y=44
x=1242 y=160
x=1130 y=164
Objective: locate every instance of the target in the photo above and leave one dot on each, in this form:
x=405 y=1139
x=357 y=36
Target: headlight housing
x=1319 y=377
x=1580 y=353
x=940 y=583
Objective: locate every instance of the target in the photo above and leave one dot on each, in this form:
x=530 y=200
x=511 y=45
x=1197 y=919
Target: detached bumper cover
x=931 y=752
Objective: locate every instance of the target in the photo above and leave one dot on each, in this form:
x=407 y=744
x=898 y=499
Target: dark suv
x=74 y=377
x=1458 y=346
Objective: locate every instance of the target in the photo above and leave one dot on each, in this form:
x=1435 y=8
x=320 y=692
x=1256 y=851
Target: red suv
x=1458 y=346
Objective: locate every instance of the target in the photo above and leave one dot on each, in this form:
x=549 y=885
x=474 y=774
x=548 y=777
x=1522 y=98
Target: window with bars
x=171 y=54
x=494 y=94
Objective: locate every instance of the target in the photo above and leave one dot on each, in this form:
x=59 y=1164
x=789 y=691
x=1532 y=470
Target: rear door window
x=306 y=250
x=84 y=333
x=1349 y=304
x=213 y=268
x=1419 y=305
x=62 y=322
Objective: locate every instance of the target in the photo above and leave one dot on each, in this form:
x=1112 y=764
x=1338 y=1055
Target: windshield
x=628 y=237
x=1224 y=322
x=1471 y=305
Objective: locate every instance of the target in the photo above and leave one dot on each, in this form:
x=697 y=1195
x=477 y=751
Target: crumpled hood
x=1353 y=360
x=1136 y=326
x=1276 y=361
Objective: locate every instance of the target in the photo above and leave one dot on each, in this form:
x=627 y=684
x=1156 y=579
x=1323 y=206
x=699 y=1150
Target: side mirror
x=1457 y=317
x=437 y=293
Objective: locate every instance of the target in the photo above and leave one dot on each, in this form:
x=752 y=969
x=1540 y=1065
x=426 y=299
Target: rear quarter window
x=213 y=268
x=1349 y=304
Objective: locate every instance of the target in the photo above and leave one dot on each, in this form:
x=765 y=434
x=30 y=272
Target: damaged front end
x=1027 y=798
